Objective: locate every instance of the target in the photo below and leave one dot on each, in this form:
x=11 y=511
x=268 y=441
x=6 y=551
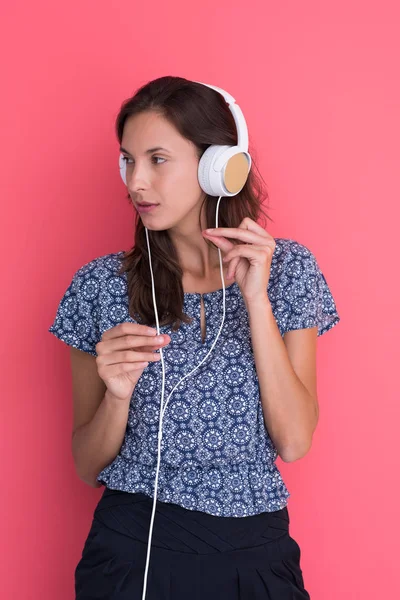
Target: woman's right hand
x=120 y=356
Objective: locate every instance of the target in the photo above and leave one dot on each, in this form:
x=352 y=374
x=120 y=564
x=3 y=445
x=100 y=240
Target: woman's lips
x=145 y=208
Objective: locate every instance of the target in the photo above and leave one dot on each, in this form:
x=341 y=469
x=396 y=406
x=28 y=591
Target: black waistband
x=184 y=530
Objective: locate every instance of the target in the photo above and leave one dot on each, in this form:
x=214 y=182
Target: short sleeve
x=76 y=319
x=307 y=293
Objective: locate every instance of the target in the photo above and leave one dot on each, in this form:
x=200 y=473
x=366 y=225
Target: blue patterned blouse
x=216 y=453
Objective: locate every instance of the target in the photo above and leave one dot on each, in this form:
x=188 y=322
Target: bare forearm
x=289 y=410
x=96 y=444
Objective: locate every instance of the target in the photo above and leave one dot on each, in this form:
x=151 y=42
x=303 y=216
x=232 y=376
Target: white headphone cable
x=162 y=410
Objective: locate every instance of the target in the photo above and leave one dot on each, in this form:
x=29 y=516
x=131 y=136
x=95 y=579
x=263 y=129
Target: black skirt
x=194 y=555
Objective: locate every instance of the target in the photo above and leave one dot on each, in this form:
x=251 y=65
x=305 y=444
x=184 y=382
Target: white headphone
x=222 y=171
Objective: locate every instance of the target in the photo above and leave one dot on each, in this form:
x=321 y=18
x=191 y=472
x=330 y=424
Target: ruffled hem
x=247 y=490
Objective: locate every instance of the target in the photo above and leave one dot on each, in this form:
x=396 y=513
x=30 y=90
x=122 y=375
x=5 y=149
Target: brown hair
x=201 y=115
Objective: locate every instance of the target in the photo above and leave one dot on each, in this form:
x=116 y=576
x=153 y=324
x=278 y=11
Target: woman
x=221 y=524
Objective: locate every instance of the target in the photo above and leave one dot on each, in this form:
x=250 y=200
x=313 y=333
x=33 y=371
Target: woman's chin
x=151 y=225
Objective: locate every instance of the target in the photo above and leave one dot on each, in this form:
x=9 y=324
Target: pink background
x=318 y=83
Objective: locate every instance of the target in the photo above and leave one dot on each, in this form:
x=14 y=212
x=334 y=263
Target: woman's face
x=166 y=177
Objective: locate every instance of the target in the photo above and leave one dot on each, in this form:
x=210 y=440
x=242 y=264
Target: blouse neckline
x=215 y=293
x=218 y=292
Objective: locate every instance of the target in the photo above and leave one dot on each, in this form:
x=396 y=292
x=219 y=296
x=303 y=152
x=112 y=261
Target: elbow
x=292 y=454
x=89 y=479
x=84 y=474
x=92 y=482
x=97 y=484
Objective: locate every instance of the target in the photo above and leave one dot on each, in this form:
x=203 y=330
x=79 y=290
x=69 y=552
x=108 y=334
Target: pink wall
x=318 y=83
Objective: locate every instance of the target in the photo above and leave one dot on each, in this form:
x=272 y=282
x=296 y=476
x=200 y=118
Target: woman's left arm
x=286 y=368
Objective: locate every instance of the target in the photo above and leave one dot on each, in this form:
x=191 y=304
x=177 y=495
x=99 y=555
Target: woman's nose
x=136 y=177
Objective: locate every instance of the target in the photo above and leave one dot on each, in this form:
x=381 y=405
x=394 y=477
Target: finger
x=248 y=223
x=221 y=242
x=232 y=267
x=136 y=342
x=149 y=348
x=249 y=251
x=245 y=235
x=128 y=329
x=110 y=371
x=150 y=343
x=126 y=356
x=132 y=356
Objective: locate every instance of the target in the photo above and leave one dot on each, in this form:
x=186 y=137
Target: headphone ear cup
x=210 y=181
x=122 y=168
x=236 y=171
x=229 y=179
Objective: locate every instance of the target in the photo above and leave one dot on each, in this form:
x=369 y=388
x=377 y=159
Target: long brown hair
x=201 y=115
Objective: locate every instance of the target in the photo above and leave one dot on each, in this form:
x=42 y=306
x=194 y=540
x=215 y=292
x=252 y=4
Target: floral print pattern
x=216 y=452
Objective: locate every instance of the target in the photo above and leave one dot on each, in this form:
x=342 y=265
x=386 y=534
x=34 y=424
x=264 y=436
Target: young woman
x=221 y=526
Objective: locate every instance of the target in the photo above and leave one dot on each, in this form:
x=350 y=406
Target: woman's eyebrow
x=149 y=151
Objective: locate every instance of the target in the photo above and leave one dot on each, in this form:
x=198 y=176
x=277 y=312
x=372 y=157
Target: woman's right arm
x=96 y=444
x=102 y=391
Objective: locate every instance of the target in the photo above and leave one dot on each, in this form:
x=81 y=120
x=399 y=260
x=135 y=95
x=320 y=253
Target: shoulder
x=96 y=277
x=290 y=248
x=299 y=290
x=292 y=258
x=83 y=310
x=101 y=266
x=98 y=274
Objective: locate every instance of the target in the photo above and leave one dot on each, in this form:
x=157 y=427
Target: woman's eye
x=126 y=159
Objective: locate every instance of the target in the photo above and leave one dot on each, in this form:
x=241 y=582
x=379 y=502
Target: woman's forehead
x=149 y=130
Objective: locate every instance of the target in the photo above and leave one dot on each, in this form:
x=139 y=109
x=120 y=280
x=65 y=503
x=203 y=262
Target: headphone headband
x=241 y=127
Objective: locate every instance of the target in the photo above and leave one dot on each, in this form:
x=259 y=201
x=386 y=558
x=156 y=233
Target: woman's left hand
x=250 y=262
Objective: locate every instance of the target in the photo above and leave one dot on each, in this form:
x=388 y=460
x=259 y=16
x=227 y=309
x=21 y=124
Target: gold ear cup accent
x=236 y=172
